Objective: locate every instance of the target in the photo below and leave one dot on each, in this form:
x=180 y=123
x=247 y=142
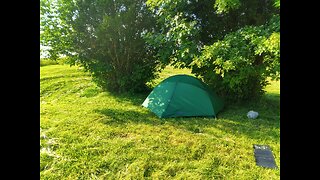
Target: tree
x=219 y=40
x=105 y=37
x=238 y=65
x=54 y=31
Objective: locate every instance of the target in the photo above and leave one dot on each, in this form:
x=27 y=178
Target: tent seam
x=175 y=86
x=214 y=112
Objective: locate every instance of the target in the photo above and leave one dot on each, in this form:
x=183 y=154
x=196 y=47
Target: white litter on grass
x=49 y=152
x=252 y=114
x=43 y=136
x=52 y=141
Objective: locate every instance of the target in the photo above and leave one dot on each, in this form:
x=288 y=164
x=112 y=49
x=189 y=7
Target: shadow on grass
x=133 y=99
x=232 y=119
x=63 y=77
x=116 y=117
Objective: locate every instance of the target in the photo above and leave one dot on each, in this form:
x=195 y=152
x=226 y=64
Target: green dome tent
x=183 y=95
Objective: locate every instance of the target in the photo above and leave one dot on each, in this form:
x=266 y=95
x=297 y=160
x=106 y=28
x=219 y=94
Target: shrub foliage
x=105 y=37
x=233 y=45
x=238 y=66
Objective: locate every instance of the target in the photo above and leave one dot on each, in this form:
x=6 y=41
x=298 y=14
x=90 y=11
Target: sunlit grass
x=86 y=133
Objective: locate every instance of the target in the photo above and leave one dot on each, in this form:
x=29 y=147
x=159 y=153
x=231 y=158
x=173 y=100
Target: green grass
x=46 y=62
x=86 y=133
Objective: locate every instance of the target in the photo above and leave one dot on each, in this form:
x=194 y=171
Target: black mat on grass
x=264 y=156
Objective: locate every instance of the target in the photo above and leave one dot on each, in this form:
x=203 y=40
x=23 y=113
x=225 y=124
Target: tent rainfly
x=183 y=95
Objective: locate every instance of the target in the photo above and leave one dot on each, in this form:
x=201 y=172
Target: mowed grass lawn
x=86 y=133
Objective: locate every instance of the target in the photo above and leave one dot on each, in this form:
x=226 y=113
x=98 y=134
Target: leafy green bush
x=116 y=53
x=237 y=67
x=185 y=27
x=105 y=37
